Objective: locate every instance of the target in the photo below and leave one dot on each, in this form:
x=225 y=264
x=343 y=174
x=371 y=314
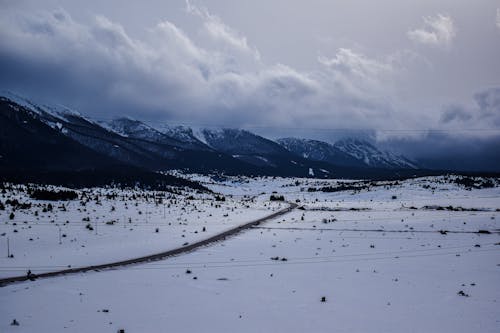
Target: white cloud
x=439 y=30
x=219 y=31
x=348 y=62
x=366 y=82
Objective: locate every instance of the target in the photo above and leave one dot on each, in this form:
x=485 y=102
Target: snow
x=357 y=149
x=212 y=134
x=262 y=158
x=199 y=134
x=127 y=127
x=112 y=128
x=46 y=111
x=122 y=228
x=20 y=100
x=178 y=132
x=376 y=255
x=62 y=111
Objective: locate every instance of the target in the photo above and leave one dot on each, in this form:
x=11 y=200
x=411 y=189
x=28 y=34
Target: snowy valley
x=353 y=256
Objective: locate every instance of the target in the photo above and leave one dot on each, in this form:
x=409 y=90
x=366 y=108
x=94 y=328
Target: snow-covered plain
x=404 y=257
x=111 y=225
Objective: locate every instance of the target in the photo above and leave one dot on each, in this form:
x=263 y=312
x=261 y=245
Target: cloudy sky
x=396 y=68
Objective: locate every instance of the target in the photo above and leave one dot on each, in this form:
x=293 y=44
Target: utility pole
x=95 y=224
x=60 y=240
x=164 y=215
x=8 y=248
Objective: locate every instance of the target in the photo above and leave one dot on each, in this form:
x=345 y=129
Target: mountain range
x=55 y=138
x=347 y=152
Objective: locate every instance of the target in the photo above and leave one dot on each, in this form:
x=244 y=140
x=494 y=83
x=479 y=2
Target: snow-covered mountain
x=347 y=152
x=319 y=151
x=49 y=114
x=90 y=133
x=136 y=129
x=36 y=147
x=256 y=150
x=28 y=143
x=182 y=133
x=372 y=156
x=135 y=143
x=236 y=151
x=238 y=141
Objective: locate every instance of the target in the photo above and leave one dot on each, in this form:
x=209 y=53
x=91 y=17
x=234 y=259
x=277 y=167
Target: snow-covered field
x=111 y=225
x=415 y=256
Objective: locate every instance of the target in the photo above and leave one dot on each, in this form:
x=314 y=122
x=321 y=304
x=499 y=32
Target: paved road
x=156 y=256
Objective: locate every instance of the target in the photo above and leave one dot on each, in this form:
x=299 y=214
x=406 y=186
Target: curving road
x=156 y=256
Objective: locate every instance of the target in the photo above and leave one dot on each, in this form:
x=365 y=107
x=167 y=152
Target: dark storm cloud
x=485 y=110
x=451 y=150
x=473 y=147
x=100 y=69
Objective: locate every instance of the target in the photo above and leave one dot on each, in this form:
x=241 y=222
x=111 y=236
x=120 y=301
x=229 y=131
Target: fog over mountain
x=420 y=78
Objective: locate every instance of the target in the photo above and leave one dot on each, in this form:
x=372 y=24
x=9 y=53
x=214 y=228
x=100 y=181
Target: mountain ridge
x=228 y=150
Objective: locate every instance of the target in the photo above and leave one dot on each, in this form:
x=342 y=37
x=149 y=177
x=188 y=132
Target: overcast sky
x=277 y=66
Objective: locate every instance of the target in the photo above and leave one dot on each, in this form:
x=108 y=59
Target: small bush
x=53 y=195
x=220 y=198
